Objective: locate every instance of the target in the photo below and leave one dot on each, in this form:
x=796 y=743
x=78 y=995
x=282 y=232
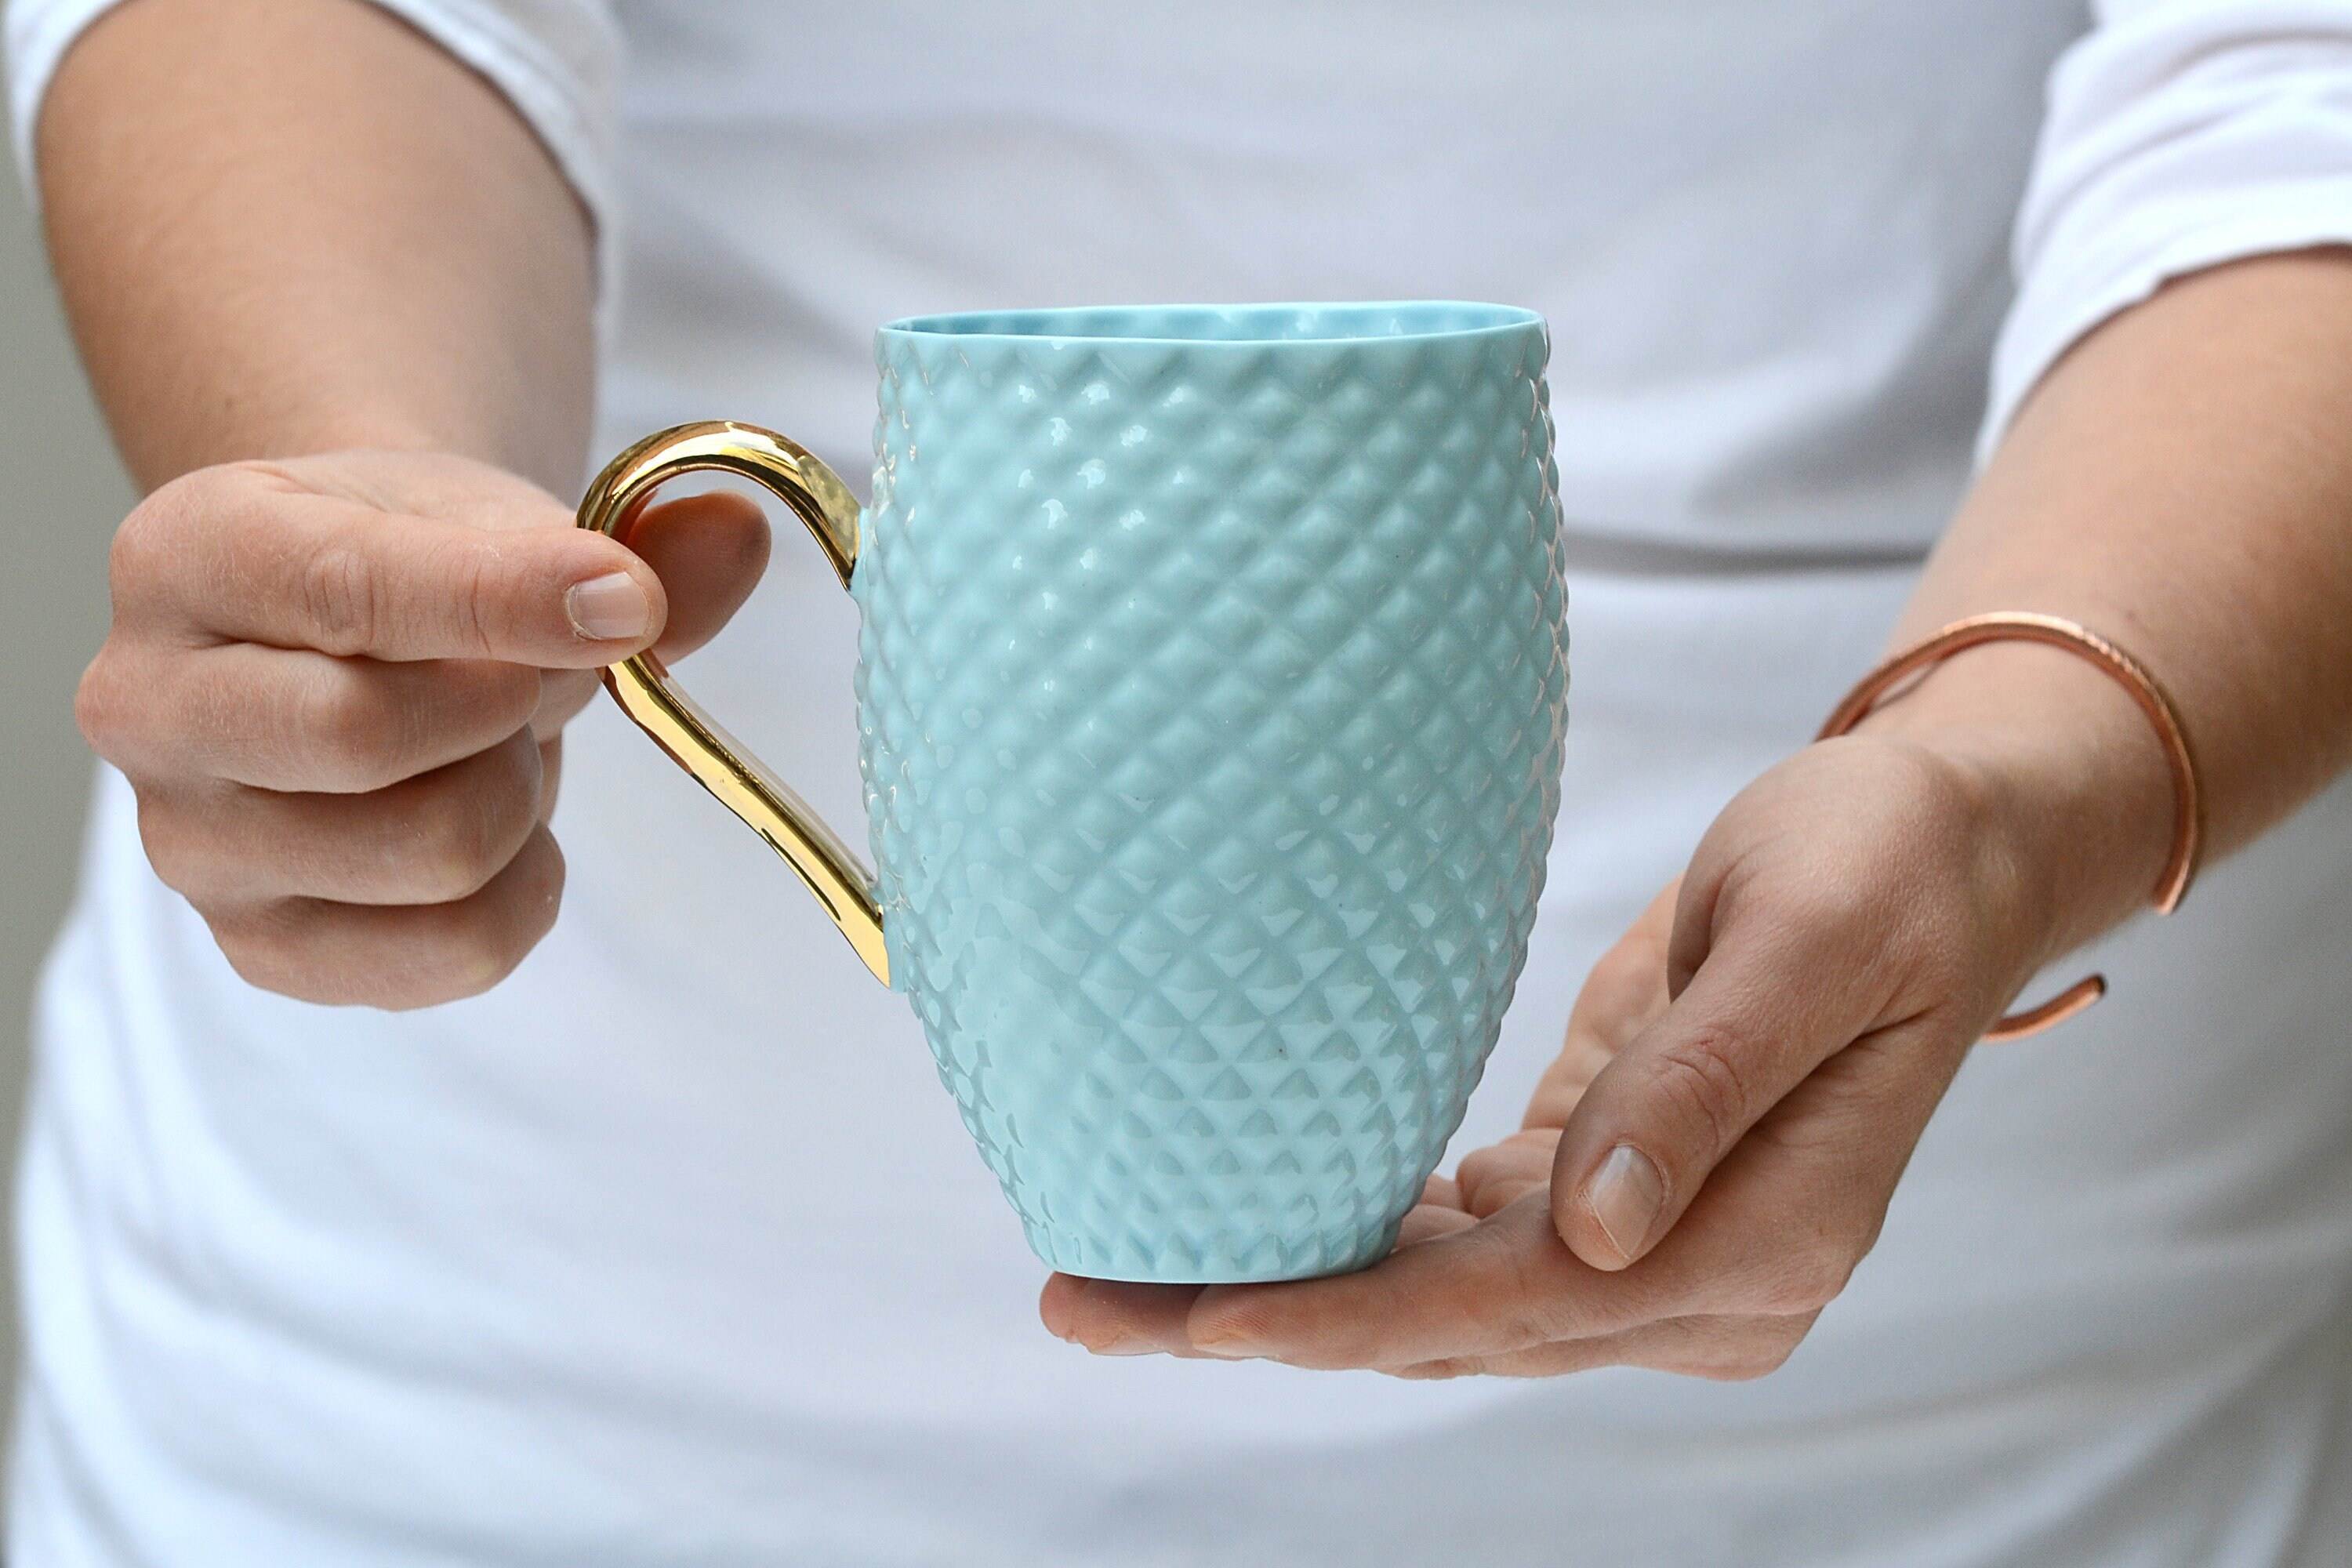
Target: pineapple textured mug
x=1212 y=695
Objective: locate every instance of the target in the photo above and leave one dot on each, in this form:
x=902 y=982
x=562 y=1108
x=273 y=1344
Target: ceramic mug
x=1210 y=702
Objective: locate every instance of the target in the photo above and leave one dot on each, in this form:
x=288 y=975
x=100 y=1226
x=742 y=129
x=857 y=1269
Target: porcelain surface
x=1213 y=694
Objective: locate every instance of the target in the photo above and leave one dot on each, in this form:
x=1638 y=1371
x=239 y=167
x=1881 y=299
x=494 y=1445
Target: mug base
x=1209 y=1260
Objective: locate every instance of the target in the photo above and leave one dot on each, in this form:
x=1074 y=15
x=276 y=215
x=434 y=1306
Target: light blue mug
x=1212 y=699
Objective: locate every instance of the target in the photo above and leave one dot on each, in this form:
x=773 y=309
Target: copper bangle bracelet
x=2014 y=625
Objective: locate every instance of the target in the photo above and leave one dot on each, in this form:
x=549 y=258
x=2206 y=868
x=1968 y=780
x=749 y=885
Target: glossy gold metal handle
x=720 y=762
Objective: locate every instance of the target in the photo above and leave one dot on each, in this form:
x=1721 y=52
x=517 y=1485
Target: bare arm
x=335 y=297
x=294 y=226
x=2182 y=480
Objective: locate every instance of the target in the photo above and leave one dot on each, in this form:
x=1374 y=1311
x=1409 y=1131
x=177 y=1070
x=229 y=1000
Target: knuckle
x=1810 y=1277
x=101 y=709
x=136 y=558
x=1706 y=1076
x=1630 y=965
x=1753 y=1363
x=1527 y=1309
x=176 y=844
x=1826 y=908
x=1477 y=1168
x=480 y=600
x=512 y=693
x=1439 y=1371
x=472 y=826
x=268 y=951
x=357 y=731
x=1742 y=1350
x=151 y=540
x=255 y=963
x=459 y=864
x=1772 y=1352
x=342 y=596
x=487 y=935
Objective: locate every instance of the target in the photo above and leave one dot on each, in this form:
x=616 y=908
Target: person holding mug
x=402 y=1188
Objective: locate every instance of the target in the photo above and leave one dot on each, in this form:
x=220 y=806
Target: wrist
x=2075 y=790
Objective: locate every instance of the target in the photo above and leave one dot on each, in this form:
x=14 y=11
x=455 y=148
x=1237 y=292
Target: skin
x=1772 y=1034
x=339 y=316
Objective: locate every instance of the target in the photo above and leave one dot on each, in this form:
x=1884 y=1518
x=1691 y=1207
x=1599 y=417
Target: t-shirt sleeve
x=557 y=62
x=2180 y=134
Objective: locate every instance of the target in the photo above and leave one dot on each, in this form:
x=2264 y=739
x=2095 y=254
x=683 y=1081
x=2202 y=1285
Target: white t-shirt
x=671 y=1249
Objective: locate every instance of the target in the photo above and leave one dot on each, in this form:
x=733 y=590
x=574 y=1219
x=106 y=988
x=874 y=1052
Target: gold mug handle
x=719 y=761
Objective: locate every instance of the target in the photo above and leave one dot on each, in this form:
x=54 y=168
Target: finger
x=1781 y=987
x=1723 y=1348
x=286 y=720
x=398 y=956
x=1427 y=1222
x=1114 y=1317
x=1505 y=1284
x=1500 y=1175
x=710 y=552
x=232 y=559
x=1624 y=994
x=561 y=694
x=436 y=838
x=1782 y=1222
x=551 y=775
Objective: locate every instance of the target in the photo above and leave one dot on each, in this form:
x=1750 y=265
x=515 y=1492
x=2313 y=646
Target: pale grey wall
x=61 y=493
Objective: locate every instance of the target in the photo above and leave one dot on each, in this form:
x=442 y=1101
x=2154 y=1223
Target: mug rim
x=1095 y=324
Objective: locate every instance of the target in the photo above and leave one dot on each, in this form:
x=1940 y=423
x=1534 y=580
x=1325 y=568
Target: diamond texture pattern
x=1212 y=696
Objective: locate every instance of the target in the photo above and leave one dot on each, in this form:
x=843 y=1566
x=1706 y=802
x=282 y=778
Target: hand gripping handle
x=720 y=762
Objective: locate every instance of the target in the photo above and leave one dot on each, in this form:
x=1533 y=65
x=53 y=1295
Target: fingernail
x=611 y=608
x=1228 y=1349
x=1126 y=1344
x=1625 y=1194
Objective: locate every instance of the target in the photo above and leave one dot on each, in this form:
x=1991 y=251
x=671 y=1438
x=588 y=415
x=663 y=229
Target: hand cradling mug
x=1212 y=697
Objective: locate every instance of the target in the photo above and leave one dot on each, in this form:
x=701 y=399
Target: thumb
x=708 y=550
x=1772 y=995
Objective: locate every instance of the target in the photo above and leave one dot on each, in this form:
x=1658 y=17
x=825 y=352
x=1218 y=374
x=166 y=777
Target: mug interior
x=1342 y=322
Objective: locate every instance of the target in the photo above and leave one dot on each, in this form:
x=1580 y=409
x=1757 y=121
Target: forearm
x=2182 y=482
x=293 y=225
